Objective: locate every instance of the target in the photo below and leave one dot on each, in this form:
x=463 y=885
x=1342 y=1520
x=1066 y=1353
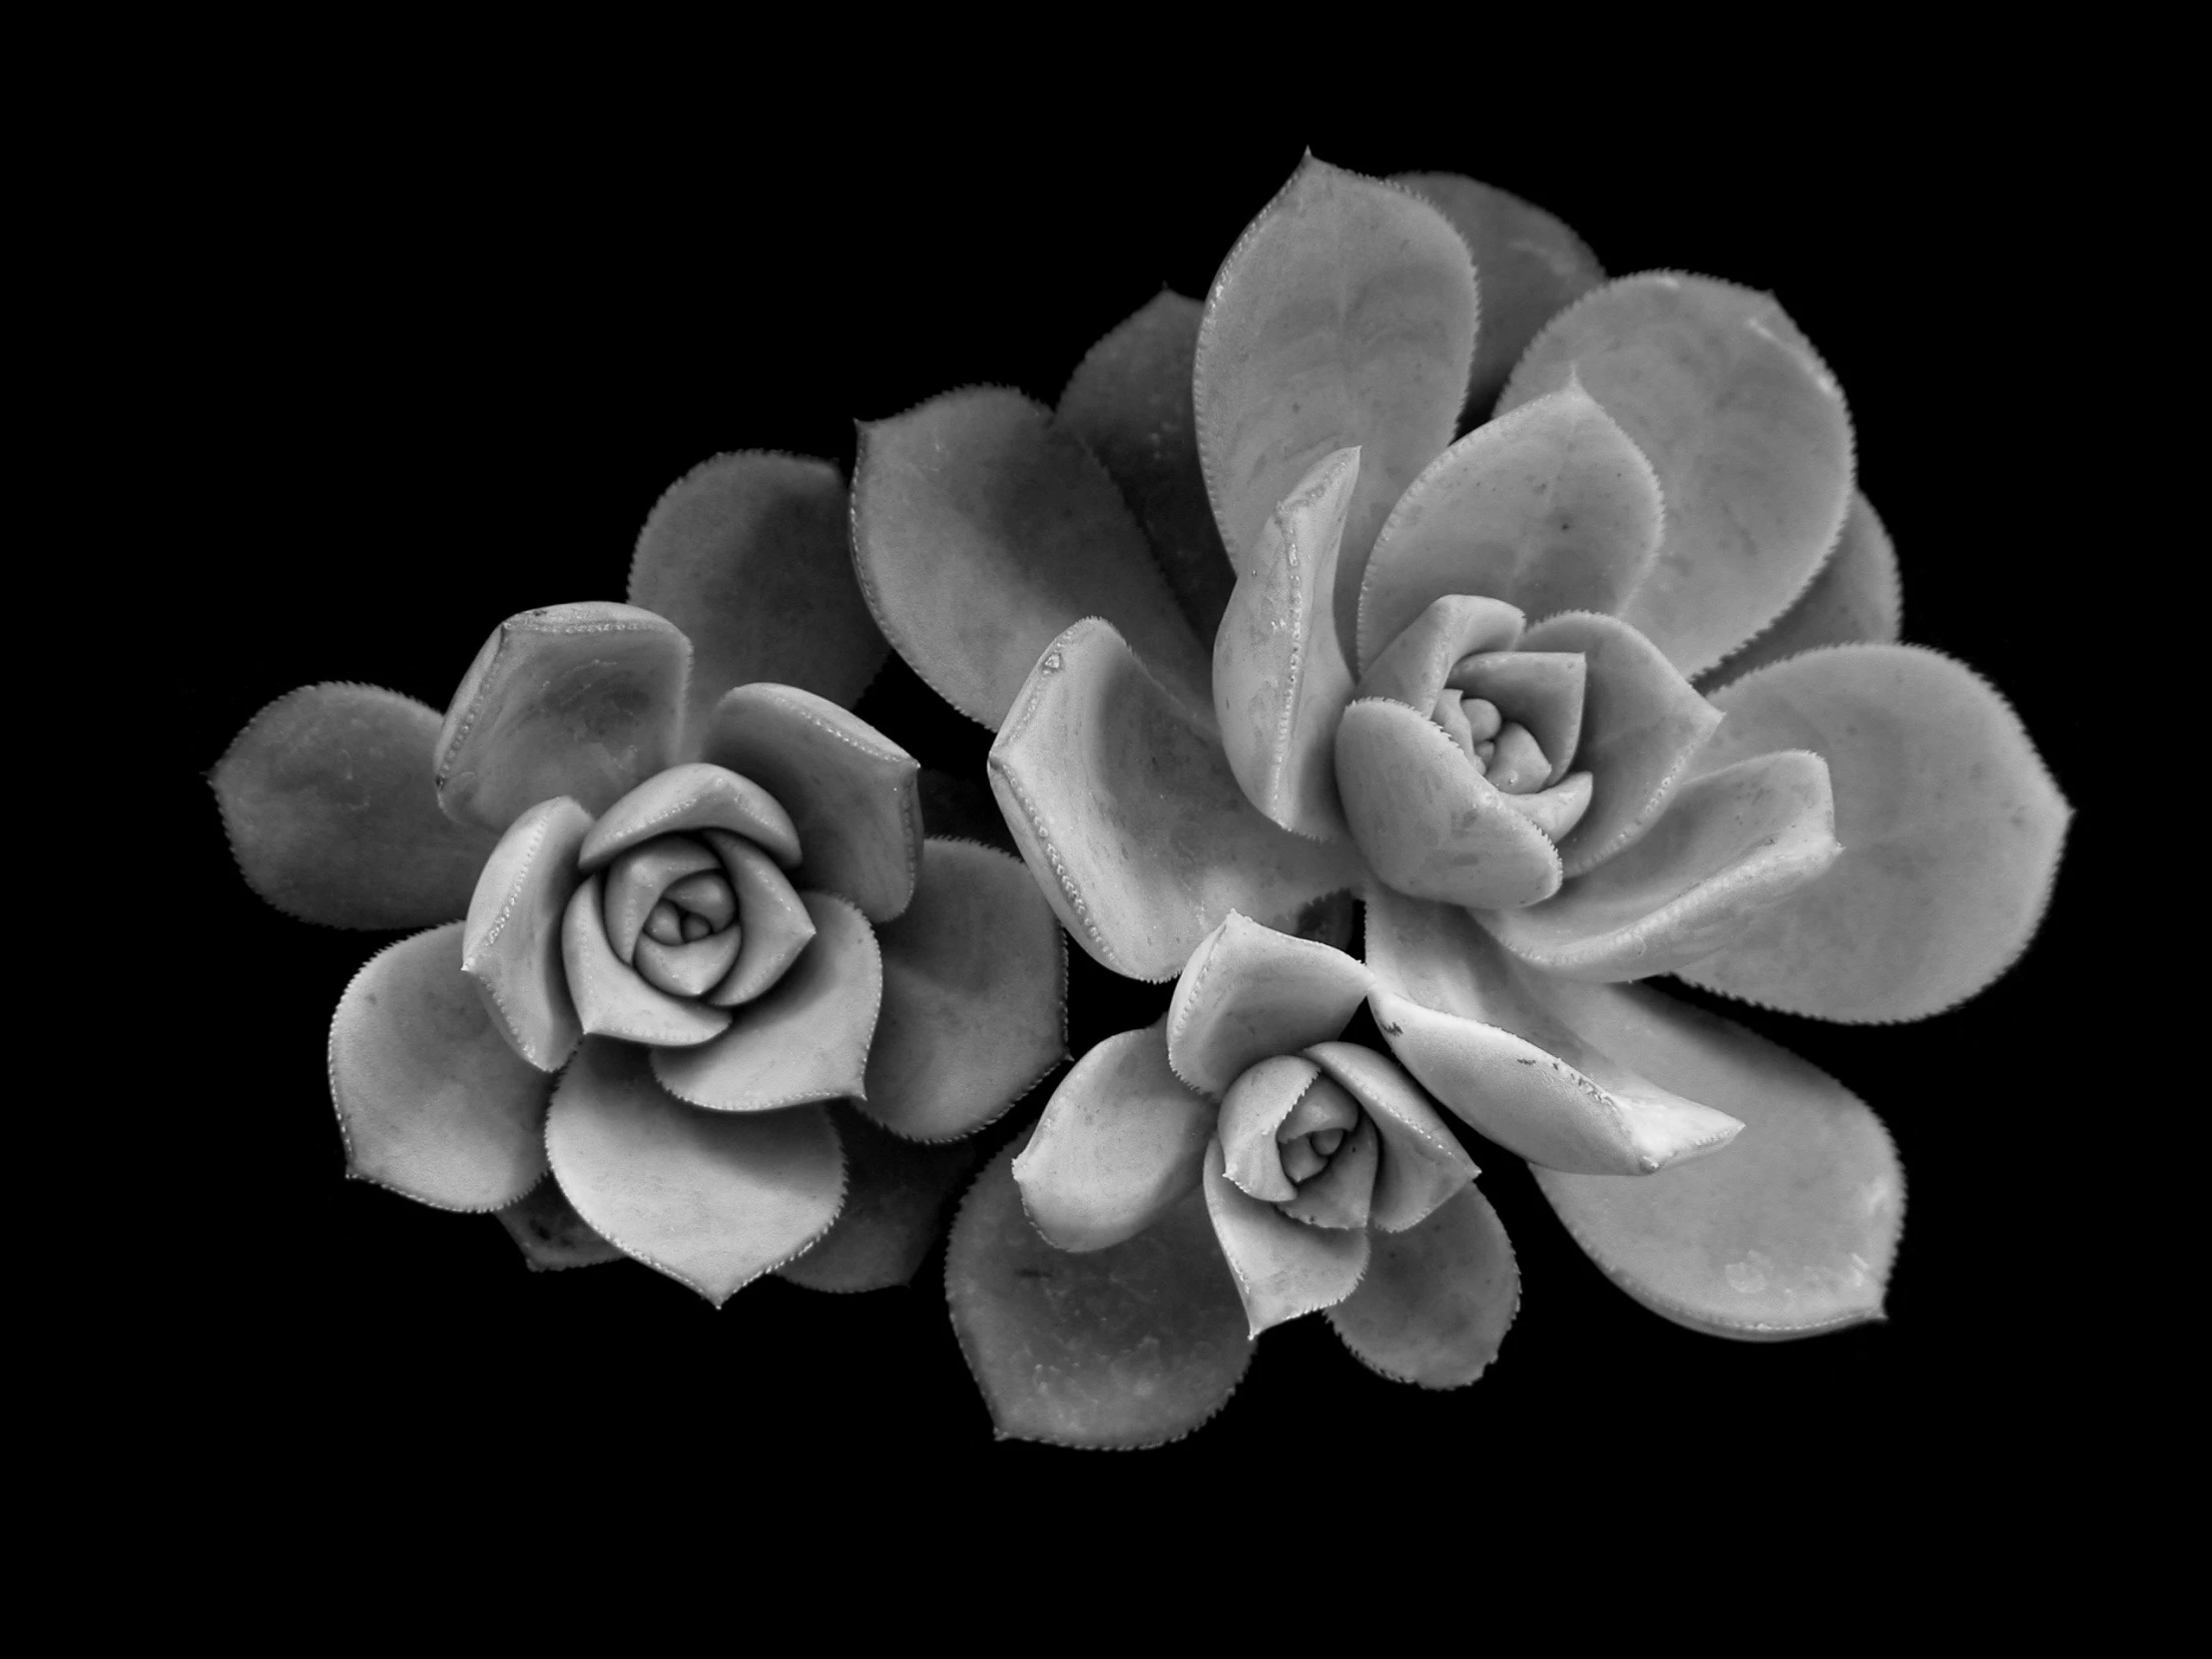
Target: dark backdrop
x=453 y=373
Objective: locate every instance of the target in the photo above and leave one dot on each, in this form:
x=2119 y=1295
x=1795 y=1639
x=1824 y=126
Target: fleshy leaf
x=1280 y=675
x=1340 y=1194
x=749 y=555
x=895 y=1194
x=1539 y=690
x=1120 y=1144
x=1745 y=429
x=1129 y=816
x=1528 y=265
x=711 y=1198
x=1420 y=658
x=551 y=1235
x=804 y=1039
x=329 y=801
x=1422 y=1164
x=433 y=1102
x=1429 y=823
x=1949 y=822
x=1642 y=725
x=1283 y=1268
x=1128 y=1346
x=511 y=946
x=1730 y=843
x=1438 y=1299
x=696 y=797
x=577 y=700
x=1854 y=599
x=1343 y=317
x=1482 y=1037
x=634 y=884
x=1792 y=1233
x=1130 y=401
x=849 y=790
x=612 y=1000
x=981 y=530
x=1250 y=992
x=1252 y=1112
x=775 y=918
x=1551 y=508
x=974 y=996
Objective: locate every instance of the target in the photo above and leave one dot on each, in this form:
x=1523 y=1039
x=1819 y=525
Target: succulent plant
x=1705 y=756
x=684 y=943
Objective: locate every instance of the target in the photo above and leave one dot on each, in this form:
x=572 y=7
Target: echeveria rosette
x=710 y=975
x=1652 y=560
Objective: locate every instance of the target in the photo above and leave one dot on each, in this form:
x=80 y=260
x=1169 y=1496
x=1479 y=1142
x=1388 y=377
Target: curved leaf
x=693 y=796
x=1421 y=656
x=1854 y=599
x=612 y=999
x=981 y=530
x=432 y=1101
x=1120 y=1144
x=1344 y=316
x=1129 y=816
x=551 y=1235
x=711 y=1198
x=1436 y=1300
x=1793 y=1232
x=1253 y=1111
x=1280 y=675
x=1423 y=1165
x=850 y=791
x=895 y=1194
x=1949 y=822
x=1527 y=264
x=1729 y=845
x=332 y=814
x=1130 y=401
x=1745 y=429
x=1249 y=993
x=511 y=946
x=578 y=700
x=1132 y=1346
x=1430 y=824
x=804 y=1039
x=1642 y=725
x=1484 y=1039
x=974 y=996
x=776 y=920
x=749 y=554
x=1549 y=508
x=1283 y=1268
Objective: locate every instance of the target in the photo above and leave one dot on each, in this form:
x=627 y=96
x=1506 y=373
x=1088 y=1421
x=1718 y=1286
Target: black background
x=431 y=377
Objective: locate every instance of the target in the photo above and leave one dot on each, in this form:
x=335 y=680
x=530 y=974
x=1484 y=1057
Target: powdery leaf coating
x=981 y=530
x=1549 y=508
x=1745 y=429
x=1130 y=401
x=749 y=554
x=896 y=1194
x=1280 y=679
x=1856 y=598
x=511 y=943
x=1121 y=1143
x=1283 y=1268
x=1951 y=828
x=1344 y=316
x=1793 y=1232
x=1528 y=266
x=693 y=796
x=1126 y=811
x=578 y=700
x=328 y=801
x=974 y=996
x=1250 y=992
x=805 y=1038
x=1438 y=1298
x=1730 y=843
x=551 y=1235
x=433 y=1102
x=711 y=1198
x=1128 y=1346
x=850 y=791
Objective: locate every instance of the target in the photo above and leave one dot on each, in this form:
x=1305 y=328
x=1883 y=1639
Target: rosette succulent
x=705 y=968
x=1604 y=688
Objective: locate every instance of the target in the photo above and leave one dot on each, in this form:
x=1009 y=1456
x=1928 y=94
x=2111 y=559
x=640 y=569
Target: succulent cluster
x=1419 y=568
